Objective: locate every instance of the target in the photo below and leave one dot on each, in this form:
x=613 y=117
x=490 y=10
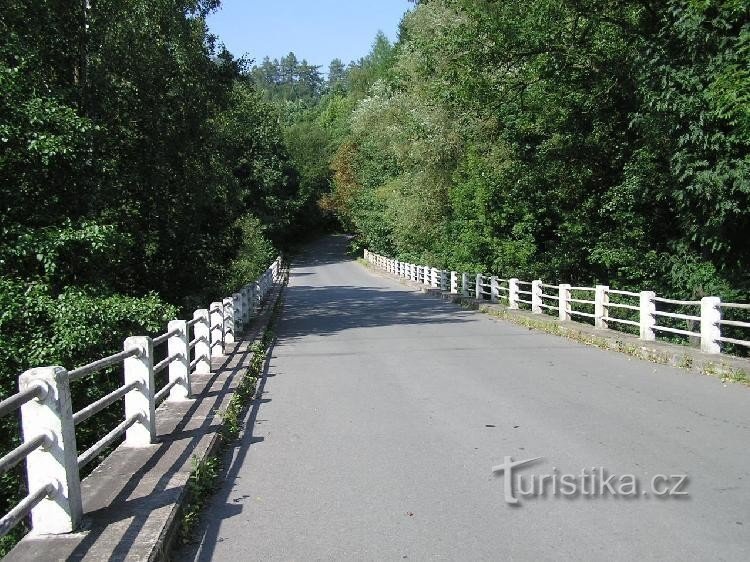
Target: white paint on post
x=255 y=288
x=216 y=339
x=238 y=312
x=601 y=306
x=564 y=303
x=478 y=286
x=57 y=462
x=710 y=327
x=435 y=279
x=140 y=401
x=179 y=369
x=513 y=293
x=494 y=289
x=465 y=285
x=228 y=304
x=246 y=305
x=454 y=283
x=647 y=320
x=202 y=349
x=536 y=296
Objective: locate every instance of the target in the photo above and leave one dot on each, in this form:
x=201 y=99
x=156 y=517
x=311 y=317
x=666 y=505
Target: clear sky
x=316 y=30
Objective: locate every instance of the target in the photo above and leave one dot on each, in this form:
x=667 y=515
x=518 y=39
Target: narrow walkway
x=384 y=411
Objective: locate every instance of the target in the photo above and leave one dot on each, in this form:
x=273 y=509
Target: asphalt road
x=384 y=412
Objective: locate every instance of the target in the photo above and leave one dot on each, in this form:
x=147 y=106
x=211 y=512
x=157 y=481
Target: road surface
x=384 y=412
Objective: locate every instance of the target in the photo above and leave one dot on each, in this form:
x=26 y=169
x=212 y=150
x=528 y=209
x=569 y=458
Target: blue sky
x=317 y=30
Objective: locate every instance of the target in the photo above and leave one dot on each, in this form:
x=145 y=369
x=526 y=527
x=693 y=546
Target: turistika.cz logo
x=590 y=482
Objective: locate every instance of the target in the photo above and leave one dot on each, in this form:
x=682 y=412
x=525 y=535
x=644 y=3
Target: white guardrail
x=647 y=313
x=48 y=421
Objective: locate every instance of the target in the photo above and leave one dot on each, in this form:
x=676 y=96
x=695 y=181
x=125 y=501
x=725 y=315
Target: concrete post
x=465 y=285
x=202 y=348
x=238 y=312
x=445 y=281
x=601 y=306
x=454 y=283
x=478 y=287
x=564 y=303
x=256 y=297
x=710 y=327
x=647 y=319
x=216 y=323
x=57 y=462
x=435 y=280
x=513 y=293
x=247 y=305
x=179 y=369
x=494 y=289
x=228 y=304
x=140 y=401
x=536 y=296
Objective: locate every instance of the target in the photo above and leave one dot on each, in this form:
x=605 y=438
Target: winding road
x=384 y=411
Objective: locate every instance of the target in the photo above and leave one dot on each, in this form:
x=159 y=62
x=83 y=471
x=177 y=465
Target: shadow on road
x=325 y=311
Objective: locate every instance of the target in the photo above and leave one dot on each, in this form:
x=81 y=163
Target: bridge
x=387 y=425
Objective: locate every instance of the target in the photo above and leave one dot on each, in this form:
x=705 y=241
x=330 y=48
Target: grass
x=200 y=486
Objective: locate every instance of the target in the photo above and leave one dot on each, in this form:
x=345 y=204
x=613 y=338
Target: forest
x=146 y=170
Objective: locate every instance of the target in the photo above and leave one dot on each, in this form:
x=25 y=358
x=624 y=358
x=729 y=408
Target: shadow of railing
x=234 y=461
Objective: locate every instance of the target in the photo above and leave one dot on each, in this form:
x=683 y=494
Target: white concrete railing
x=48 y=421
x=607 y=308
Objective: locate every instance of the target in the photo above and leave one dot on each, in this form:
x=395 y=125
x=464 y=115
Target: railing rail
x=101 y=364
x=647 y=315
x=48 y=421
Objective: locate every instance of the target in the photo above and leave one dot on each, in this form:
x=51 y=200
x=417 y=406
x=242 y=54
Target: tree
x=337 y=75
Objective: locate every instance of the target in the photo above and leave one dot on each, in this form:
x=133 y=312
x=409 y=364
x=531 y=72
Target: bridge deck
x=383 y=413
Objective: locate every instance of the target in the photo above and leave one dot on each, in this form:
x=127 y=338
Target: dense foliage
x=142 y=177
x=598 y=141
